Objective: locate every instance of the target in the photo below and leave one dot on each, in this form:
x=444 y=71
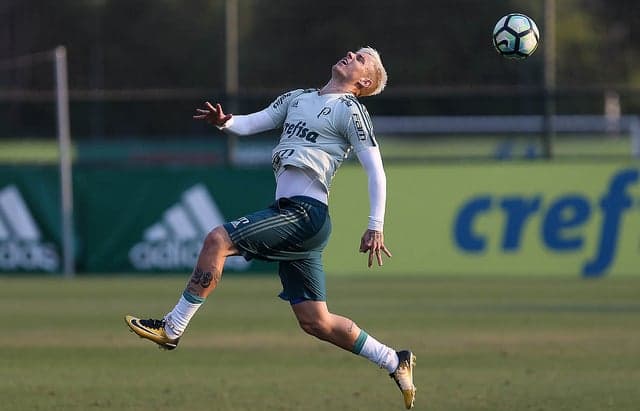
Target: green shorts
x=292 y=231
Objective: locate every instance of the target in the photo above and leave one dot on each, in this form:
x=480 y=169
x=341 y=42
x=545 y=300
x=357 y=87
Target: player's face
x=353 y=66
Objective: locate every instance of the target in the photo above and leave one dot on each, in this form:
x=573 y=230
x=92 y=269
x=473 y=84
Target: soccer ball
x=516 y=36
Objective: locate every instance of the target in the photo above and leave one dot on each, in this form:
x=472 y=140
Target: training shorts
x=293 y=232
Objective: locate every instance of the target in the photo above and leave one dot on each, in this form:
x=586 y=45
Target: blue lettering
x=612 y=204
x=566 y=213
x=464 y=236
x=518 y=211
x=559 y=228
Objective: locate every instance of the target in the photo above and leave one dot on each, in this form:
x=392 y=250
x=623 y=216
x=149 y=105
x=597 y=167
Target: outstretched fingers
x=212 y=114
x=373 y=242
x=378 y=255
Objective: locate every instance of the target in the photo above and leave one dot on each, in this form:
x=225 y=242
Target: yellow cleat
x=403 y=376
x=151 y=330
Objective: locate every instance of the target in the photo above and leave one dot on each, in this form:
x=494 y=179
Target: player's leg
x=254 y=236
x=257 y=235
x=206 y=275
x=303 y=285
x=315 y=319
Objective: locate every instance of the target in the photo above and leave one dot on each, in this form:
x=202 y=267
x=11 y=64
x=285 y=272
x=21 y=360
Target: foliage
x=285 y=43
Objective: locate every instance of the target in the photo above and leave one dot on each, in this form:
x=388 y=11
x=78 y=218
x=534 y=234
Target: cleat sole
x=145 y=333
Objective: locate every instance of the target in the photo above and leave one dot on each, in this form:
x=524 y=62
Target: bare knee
x=314 y=318
x=218 y=240
x=316 y=327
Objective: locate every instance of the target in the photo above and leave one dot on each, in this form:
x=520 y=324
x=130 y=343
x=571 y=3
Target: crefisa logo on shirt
x=299 y=129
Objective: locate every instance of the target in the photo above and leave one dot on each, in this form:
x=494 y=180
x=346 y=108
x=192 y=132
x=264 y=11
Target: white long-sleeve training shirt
x=318 y=133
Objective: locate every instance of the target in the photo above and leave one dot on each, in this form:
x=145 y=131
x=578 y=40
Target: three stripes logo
x=21 y=244
x=174 y=242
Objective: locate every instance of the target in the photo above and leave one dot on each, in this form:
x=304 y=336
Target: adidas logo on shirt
x=21 y=244
x=174 y=242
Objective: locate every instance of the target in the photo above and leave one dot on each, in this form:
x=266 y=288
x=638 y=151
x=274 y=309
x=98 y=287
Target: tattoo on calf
x=205 y=282
x=202 y=278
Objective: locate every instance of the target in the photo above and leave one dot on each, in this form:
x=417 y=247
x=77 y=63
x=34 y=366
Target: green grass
x=483 y=343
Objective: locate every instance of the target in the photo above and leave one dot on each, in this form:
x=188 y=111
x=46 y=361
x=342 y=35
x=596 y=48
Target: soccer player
x=320 y=127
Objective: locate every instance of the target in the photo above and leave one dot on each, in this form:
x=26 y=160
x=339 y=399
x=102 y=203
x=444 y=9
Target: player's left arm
x=372 y=240
x=354 y=120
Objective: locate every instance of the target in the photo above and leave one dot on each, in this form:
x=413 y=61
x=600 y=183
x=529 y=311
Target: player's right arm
x=240 y=125
x=271 y=117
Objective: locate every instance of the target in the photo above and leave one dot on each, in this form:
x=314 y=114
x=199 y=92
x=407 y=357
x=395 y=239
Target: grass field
x=483 y=343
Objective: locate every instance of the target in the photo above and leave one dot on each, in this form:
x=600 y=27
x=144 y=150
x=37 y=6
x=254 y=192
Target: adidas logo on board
x=21 y=244
x=174 y=242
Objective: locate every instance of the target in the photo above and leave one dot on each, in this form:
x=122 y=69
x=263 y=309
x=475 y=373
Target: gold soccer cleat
x=151 y=330
x=403 y=376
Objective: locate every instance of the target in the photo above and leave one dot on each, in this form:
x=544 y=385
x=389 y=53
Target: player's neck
x=333 y=87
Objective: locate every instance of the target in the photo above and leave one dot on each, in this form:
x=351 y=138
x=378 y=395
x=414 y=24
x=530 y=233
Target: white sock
x=176 y=320
x=383 y=356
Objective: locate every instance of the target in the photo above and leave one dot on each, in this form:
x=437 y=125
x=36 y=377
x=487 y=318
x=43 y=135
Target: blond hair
x=379 y=74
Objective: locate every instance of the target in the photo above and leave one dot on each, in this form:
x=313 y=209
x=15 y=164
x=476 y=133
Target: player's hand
x=373 y=242
x=212 y=115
